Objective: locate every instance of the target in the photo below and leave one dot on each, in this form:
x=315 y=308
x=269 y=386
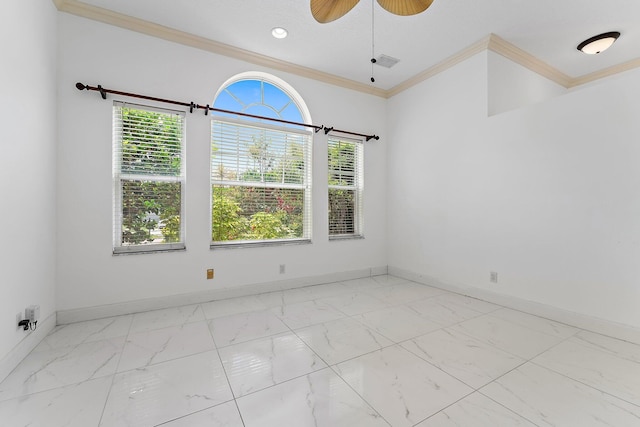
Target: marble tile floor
x=378 y=351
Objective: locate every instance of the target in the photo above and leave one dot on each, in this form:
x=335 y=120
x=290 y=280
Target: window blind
x=261 y=182
x=148 y=178
x=345 y=175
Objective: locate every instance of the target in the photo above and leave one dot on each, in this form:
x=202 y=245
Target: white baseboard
x=102 y=311
x=579 y=320
x=24 y=347
x=379 y=271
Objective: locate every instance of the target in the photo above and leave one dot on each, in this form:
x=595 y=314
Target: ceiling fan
x=329 y=10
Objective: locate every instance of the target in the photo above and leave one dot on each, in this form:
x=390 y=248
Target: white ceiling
x=548 y=29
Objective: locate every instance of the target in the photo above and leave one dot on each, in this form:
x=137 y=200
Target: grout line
x=333 y=367
x=233 y=395
x=193 y=413
x=583 y=383
x=529 y=360
x=508 y=409
x=113 y=377
x=328 y=366
x=446 y=407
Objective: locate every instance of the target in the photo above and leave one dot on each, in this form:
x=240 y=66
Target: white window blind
x=260 y=183
x=148 y=178
x=346 y=185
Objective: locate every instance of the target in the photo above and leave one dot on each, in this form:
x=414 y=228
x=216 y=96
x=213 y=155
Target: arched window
x=260 y=169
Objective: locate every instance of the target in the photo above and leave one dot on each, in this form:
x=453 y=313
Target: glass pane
x=342 y=166
x=150 y=212
x=259 y=98
x=275 y=97
x=261 y=110
x=151 y=143
x=253 y=154
x=256 y=213
x=291 y=113
x=247 y=91
x=225 y=101
x=342 y=212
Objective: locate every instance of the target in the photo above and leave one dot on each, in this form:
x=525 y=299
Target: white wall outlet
x=493 y=277
x=32 y=313
x=282 y=268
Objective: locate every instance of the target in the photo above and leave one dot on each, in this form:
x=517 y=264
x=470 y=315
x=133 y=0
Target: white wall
x=88 y=273
x=546 y=195
x=512 y=86
x=27 y=176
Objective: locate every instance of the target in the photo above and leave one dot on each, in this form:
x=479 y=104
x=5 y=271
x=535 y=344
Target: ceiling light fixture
x=599 y=43
x=279 y=32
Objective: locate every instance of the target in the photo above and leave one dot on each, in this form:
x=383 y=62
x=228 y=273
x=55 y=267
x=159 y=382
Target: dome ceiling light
x=599 y=43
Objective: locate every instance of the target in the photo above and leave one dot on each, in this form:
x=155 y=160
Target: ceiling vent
x=386 y=61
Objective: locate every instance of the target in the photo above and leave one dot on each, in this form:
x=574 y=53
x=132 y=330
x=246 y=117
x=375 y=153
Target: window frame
x=357 y=188
x=306 y=186
x=298 y=102
x=118 y=178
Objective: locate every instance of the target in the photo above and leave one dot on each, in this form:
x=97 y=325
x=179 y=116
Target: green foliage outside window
x=342 y=157
x=263 y=211
x=150 y=148
x=256 y=213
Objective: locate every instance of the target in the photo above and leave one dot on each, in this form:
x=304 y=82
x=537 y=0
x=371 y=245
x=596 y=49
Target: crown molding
x=491 y=42
x=607 y=72
x=477 y=47
x=106 y=16
x=519 y=56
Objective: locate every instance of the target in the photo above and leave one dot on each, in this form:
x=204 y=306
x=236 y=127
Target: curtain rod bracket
x=319 y=128
x=103 y=93
x=327 y=130
x=206 y=110
x=191 y=107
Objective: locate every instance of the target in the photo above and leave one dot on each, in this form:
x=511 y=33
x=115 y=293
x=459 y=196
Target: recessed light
x=599 y=43
x=279 y=32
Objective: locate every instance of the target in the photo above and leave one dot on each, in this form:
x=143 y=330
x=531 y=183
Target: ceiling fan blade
x=405 y=7
x=329 y=10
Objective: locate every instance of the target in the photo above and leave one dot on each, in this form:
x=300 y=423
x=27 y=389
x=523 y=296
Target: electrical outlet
x=493 y=277
x=282 y=268
x=210 y=274
x=32 y=313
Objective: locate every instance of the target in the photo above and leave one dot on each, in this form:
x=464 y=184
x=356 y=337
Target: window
x=260 y=171
x=345 y=160
x=148 y=179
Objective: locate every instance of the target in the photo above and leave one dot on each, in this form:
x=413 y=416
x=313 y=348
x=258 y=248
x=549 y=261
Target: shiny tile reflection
x=265 y=362
x=371 y=352
x=403 y=388
x=166 y=391
x=320 y=399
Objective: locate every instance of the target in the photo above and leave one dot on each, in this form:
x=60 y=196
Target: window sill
x=149 y=249
x=260 y=244
x=346 y=237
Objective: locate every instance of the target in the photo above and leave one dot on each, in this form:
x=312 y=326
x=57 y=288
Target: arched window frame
x=260 y=172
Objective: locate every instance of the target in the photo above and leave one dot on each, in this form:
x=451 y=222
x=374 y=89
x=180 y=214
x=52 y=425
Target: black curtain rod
x=207 y=108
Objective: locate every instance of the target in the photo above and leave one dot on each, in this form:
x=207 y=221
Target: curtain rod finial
x=80 y=86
